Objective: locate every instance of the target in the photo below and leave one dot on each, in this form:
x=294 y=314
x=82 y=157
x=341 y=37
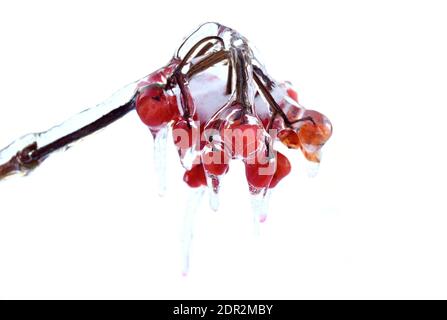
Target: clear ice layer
x=194 y=201
x=74 y=127
x=220 y=103
x=160 y=147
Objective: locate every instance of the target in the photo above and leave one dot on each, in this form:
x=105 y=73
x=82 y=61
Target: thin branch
x=229 y=77
x=194 y=48
x=269 y=83
x=205 y=49
x=242 y=78
x=32 y=155
x=207 y=62
x=308 y=118
x=265 y=92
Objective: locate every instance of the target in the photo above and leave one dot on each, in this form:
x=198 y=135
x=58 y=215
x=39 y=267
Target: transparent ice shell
x=214 y=84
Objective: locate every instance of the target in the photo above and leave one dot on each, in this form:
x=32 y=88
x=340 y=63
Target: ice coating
x=220 y=104
x=208 y=90
x=260 y=206
x=194 y=200
x=160 y=143
x=234 y=93
x=26 y=153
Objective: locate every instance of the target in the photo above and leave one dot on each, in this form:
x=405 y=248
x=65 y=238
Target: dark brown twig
x=229 y=77
x=309 y=118
x=276 y=108
x=194 y=48
x=32 y=155
x=269 y=83
x=96 y=125
x=241 y=78
x=207 y=62
x=265 y=92
x=205 y=49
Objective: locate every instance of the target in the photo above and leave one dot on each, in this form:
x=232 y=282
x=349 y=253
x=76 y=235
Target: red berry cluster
x=239 y=136
x=222 y=106
x=309 y=130
x=244 y=128
x=155 y=104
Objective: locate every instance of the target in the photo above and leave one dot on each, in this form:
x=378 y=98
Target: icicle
x=213 y=187
x=160 y=144
x=188 y=158
x=259 y=199
x=186 y=134
x=312 y=168
x=259 y=204
x=195 y=198
x=313 y=165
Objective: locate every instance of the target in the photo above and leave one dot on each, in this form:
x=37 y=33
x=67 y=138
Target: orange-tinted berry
x=315 y=133
x=289 y=138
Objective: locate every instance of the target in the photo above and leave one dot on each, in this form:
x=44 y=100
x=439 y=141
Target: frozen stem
x=35 y=152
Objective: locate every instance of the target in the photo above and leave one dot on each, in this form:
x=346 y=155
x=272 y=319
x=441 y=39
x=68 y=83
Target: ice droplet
x=194 y=200
x=213 y=182
x=214 y=200
x=160 y=146
x=188 y=156
x=259 y=199
x=312 y=168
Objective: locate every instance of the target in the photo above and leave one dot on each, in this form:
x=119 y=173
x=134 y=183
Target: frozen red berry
x=283 y=168
x=155 y=107
x=195 y=177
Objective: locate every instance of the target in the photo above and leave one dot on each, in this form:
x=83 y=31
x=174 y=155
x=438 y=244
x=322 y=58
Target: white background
x=89 y=223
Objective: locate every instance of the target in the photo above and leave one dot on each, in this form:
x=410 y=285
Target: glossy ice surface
x=223 y=106
x=218 y=103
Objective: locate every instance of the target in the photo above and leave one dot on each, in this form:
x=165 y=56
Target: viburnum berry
x=185 y=132
x=155 y=107
x=283 y=168
x=215 y=162
x=289 y=138
x=182 y=134
x=265 y=122
x=314 y=134
x=195 y=177
x=259 y=171
x=244 y=137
